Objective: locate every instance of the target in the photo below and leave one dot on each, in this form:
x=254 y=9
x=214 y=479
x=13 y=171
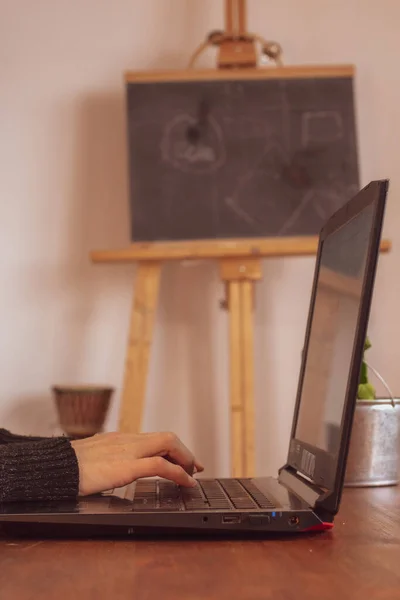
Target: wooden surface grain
x=359 y=559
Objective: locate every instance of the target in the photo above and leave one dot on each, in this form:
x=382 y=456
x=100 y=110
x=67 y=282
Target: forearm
x=44 y=469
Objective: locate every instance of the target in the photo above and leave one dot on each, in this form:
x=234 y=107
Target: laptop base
x=114 y=513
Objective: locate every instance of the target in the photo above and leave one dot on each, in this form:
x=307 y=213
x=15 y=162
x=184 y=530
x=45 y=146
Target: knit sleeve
x=38 y=470
x=6 y=437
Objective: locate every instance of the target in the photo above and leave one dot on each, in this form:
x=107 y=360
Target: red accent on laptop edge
x=320 y=527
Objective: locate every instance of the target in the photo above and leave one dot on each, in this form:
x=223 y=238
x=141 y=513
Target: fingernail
x=193 y=482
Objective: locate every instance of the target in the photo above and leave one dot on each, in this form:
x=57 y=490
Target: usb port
x=229 y=519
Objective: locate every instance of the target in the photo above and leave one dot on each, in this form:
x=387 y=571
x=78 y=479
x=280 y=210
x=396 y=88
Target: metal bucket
x=375 y=444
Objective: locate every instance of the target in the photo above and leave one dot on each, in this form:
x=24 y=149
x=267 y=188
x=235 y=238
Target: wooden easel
x=239 y=266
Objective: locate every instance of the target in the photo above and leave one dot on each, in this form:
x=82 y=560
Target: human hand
x=111 y=460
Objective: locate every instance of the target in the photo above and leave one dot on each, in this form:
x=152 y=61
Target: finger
x=168 y=445
x=198 y=466
x=159 y=467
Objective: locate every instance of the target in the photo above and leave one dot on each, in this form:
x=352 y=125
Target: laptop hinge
x=300 y=486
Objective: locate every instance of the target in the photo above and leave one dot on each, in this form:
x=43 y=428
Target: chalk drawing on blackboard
x=218 y=159
x=321 y=127
x=274 y=164
x=240 y=212
x=286 y=130
x=265 y=164
x=247 y=129
x=289 y=171
x=191 y=148
x=311 y=203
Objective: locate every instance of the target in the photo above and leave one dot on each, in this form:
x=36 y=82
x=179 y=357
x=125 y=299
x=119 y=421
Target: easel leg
x=139 y=346
x=236 y=384
x=239 y=277
x=247 y=342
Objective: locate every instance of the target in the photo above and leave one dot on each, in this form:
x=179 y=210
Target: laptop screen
x=333 y=331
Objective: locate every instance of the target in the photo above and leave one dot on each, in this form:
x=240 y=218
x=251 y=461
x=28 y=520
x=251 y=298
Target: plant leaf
x=366 y=391
x=367 y=344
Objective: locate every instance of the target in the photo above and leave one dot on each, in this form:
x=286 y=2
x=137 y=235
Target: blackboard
x=250 y=153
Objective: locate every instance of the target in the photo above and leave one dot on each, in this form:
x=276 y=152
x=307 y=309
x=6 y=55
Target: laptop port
x=231 y=519
x=294 y=520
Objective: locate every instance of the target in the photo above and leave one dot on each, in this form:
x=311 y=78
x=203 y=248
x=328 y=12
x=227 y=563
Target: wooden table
x=359 y=559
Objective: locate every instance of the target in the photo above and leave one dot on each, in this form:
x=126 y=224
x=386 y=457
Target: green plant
x=366 y=390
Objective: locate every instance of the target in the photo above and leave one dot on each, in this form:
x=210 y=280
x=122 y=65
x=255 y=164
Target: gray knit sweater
x=33 y=468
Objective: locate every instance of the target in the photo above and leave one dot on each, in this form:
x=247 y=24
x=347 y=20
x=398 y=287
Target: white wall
x=63 y=192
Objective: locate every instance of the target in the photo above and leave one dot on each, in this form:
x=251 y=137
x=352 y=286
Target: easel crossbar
x=212 y=249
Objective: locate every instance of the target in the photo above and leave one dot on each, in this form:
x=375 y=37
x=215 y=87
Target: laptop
x=306 y=493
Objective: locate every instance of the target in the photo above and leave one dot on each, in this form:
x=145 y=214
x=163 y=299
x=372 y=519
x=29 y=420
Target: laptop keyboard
x=209 y=494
